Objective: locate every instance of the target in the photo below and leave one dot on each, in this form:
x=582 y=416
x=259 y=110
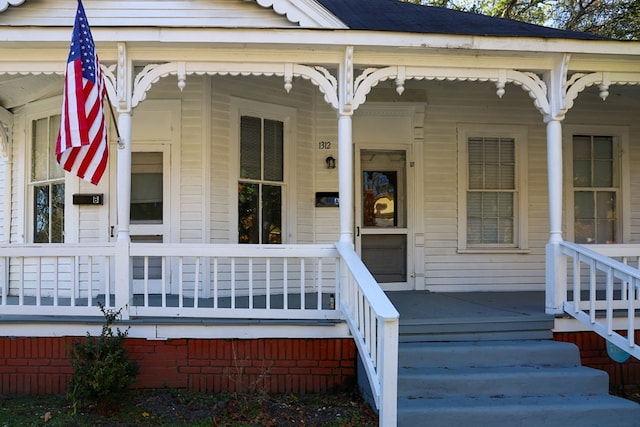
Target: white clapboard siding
x=145 y=13
x=450 y=104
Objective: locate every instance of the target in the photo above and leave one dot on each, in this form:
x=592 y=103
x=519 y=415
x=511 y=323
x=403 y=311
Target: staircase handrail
x=374 y=324
x=628 y=276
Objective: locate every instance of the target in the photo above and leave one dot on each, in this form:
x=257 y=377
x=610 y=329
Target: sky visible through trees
x=616 y=19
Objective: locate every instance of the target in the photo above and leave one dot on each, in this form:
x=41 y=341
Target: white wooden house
x=267 y=146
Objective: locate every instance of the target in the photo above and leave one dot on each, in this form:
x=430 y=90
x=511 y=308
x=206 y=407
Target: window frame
x=620 y=136
x=287 y=115
x=33 y=112
x=520 y=212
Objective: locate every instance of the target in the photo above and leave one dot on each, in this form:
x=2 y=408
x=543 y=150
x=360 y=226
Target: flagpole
x=113 y=119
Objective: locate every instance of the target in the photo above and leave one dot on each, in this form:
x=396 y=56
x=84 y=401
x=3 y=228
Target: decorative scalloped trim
x=306 y=13
x=4 y=4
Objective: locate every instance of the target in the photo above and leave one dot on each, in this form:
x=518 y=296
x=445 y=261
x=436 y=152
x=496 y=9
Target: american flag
x=82 y=141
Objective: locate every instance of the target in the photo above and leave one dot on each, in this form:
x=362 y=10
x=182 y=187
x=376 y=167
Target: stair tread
x=456 y=403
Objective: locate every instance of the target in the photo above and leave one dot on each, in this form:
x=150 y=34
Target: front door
x=149 y=213
x=382 y=231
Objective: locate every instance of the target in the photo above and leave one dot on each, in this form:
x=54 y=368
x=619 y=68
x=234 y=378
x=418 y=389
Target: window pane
x=146 y=188
x=603 y=173
x=505 y=231
x=379 y=204
x=250 y=147
x=55 y=171
x=489 y=205
x=57 y=213
x=40 y=150
x=490 y=230
x=606 y=231
x=583 y=205
x=273 y=150
x=505 y=205
x=603 y=147
x=585 y=231
x=41 y=214
x=474 y=230
x=271 y=214
x=248 y=221
x=581 y=173
x=581 y=147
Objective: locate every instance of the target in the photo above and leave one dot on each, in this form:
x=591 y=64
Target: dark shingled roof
x=394 y=15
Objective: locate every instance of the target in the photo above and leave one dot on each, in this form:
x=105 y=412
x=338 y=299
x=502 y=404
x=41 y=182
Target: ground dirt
x=169 y=407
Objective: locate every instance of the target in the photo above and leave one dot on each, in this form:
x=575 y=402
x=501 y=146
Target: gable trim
x=307 y=13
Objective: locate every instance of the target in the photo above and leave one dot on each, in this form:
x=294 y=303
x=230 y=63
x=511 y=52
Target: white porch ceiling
x=20 y=89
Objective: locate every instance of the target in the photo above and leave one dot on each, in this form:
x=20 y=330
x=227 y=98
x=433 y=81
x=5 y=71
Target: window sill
x=494 y=251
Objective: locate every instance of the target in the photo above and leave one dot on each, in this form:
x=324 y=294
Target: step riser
x=506 y=383
x=522 y=417
x=476 y=336
x=508 y=353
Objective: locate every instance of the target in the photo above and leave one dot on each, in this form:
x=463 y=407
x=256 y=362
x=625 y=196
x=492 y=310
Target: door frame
x=408 y=134
x=407 y=230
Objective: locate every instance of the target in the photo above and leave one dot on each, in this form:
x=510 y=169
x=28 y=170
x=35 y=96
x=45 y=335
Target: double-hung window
x=46 y=183
x=492 y=197
x=596 y=189
x=261 y=180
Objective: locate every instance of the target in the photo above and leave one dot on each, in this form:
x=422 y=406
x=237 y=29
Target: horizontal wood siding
x=144 y=13
x=300 y=183
x=448 y=105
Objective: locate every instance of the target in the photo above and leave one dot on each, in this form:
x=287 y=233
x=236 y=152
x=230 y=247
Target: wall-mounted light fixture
x=331 y=162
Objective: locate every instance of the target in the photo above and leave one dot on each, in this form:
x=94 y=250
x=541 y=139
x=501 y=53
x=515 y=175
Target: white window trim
x=288 y=116
x=37 y=110
x=620 y=136
x=520 y=135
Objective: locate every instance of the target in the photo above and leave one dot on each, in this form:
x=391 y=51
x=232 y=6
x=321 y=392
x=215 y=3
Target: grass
x=172 y=407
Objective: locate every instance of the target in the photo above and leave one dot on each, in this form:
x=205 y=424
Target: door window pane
x=146 y=188
x=379 y=199
x=248 y=222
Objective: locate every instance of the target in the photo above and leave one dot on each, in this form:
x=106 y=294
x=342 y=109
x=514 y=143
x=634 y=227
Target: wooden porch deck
x=465 y=316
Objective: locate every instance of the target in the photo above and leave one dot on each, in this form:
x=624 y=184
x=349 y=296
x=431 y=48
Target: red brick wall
x=593 y=352
x=42 y=366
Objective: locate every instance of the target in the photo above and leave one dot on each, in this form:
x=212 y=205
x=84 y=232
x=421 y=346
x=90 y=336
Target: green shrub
x=102 y=370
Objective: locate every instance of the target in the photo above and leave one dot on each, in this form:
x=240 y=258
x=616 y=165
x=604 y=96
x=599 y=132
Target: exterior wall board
x=141 y=13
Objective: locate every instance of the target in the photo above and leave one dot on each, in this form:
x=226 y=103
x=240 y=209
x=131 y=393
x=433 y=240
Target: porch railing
x=374 y=324
x=292 y=282
x=602 y=286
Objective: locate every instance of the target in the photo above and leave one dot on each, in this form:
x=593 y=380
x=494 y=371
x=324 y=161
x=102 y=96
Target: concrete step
x=492 y=353
x=505 y=383
x=534 y=327
x=538 y=411
x=500 y=381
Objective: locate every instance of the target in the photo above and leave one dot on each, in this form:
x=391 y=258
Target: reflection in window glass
x=47 y=182
x=260 y=189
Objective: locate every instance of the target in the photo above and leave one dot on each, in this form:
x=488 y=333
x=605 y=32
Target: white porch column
x=555 y=262
x=123 y=176
x=345 y=177
x=556 y=269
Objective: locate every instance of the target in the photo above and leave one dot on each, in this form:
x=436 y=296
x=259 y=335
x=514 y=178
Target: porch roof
x=394 y=15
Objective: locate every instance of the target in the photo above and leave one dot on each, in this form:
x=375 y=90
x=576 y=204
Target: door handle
x=357 y=231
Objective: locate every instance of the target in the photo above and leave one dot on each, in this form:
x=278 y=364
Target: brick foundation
x=42 y=366
x=593 y=352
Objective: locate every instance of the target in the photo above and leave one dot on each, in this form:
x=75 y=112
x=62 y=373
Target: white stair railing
x=601 y=289
x=374 y=324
